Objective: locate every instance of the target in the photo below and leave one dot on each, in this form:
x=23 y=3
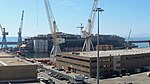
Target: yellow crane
x=57 y=40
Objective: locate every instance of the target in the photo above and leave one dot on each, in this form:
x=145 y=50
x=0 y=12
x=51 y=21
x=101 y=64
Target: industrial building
x=13 y=69
x=111 y=62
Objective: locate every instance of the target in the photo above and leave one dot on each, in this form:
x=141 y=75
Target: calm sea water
x=10 y=39
x=141 y=45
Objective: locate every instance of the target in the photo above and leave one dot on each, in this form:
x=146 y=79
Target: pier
x=142 y=41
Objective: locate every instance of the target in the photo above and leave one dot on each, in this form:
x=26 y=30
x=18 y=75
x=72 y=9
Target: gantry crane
x=20 y=31
x=87 y=33
x=4 y=33
x=57 y=40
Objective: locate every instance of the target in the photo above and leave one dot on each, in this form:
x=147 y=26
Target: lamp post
x=98 y=10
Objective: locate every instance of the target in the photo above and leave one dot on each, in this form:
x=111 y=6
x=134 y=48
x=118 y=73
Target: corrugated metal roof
x=9 y=60
x=113 y=52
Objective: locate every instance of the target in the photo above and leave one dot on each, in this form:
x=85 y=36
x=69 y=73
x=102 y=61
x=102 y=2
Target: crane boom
x=21 y=23
x=89 y=28
x=128 y=44
x=91 y=19
x=1 y=27
x=20 y=31
x=53 y=27
x=50 y=16
x=129 y=34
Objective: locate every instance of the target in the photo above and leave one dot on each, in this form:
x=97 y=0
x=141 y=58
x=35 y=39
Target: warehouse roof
x=9 y=60
x=3 y=54
x=112 y=52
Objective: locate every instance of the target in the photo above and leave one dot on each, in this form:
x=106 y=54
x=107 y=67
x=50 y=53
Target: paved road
x=140 y=78
x=45 y=75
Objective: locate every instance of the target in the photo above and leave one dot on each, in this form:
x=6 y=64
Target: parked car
x=127 y=74
x=49 y=73
x=41 y=70
x=55 y=76
x=68 y=71
x=52 y=75
x=60 y=69
x=148 y=74
x=62 y=78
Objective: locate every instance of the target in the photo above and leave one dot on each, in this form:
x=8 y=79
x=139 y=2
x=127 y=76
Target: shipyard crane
x=128 y=44
x=4 y=33
x=129 y=34
x=57 y=40
x=20 y=31
x=88 y=32
x=81 y=27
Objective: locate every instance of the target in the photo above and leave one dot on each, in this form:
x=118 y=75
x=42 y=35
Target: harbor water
x=140 y=45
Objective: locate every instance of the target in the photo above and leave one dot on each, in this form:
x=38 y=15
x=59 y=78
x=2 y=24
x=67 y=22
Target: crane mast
x=87 y=33
x=57 y=40
x=4 y=33
x=20 y=31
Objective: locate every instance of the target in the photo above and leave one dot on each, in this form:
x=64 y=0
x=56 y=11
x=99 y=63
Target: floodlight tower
x=98 y=10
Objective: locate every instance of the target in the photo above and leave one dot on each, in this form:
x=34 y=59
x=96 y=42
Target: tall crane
x=57 y=40
x=4 y=33
x=87 y=33
x=129 y=34
x=20 y=31
x=128 y=44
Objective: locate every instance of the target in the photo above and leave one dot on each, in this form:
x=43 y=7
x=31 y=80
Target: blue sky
x=118 y=18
